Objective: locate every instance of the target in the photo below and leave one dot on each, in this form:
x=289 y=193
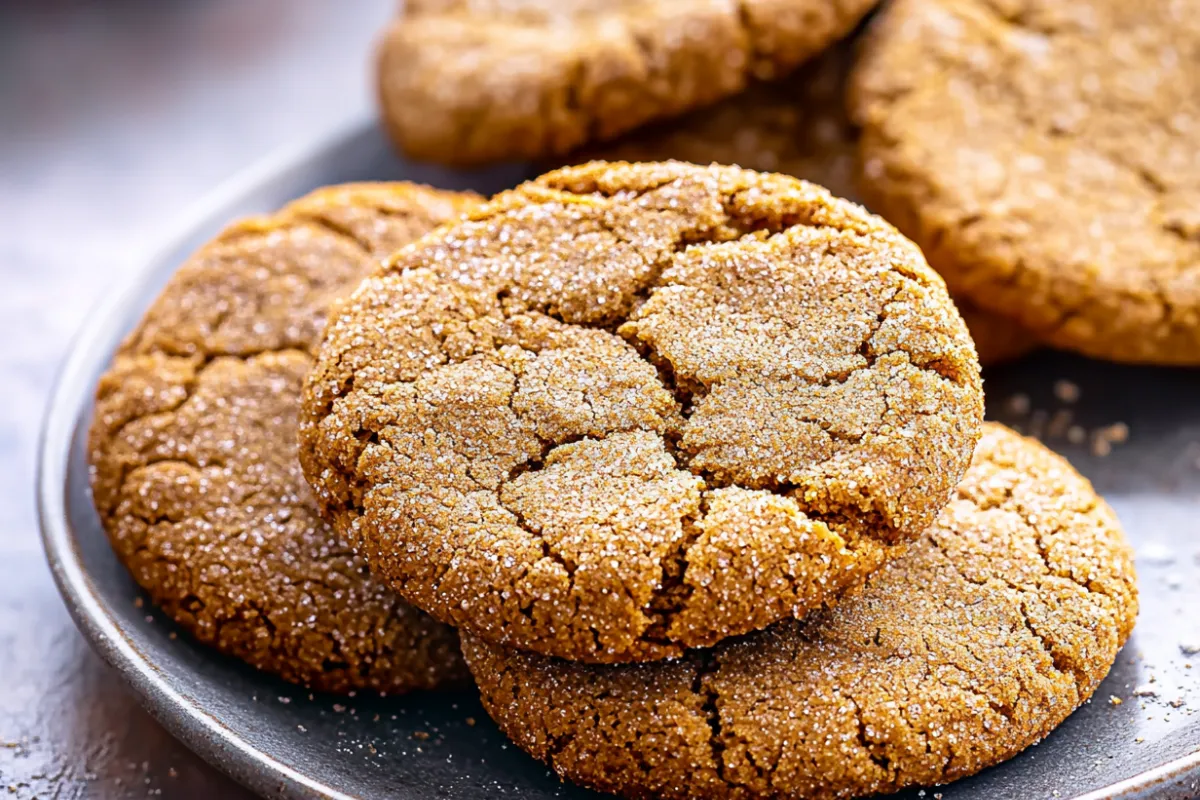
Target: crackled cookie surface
x=798 y=126
x=998 y=623
x=193 y=450
x=1043 y=155
x=626 y=409
x=465 y=81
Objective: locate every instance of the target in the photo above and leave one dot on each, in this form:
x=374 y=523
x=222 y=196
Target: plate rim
x=71 y=389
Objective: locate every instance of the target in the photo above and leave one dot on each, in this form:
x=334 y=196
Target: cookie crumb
x=1060 y=424
x=1066 y=391
x=1113 y=700
x=1019 y=404
x=1104 y=438
x=1145 y=690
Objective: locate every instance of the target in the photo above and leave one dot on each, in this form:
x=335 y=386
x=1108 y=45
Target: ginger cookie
x=469 y=82
x=1044 y=157
x=193 y=450
x=998 y=623
x=797 y=126
x=628 y=409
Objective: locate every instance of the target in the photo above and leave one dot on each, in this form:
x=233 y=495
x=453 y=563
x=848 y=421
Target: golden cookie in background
x=471 y=81
x=1043 y=155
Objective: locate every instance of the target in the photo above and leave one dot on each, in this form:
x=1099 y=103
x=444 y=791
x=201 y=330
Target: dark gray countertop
x=114 y=116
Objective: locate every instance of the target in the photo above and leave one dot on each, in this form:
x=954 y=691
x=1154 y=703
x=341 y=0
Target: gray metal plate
x=283 y=742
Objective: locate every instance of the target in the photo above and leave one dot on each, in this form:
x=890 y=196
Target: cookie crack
x=548 y=550
x=1004 y=709
x=875 y=751
x=1058 y=661
x=670 y=597
x=1023 y=592
x=338 y=231
x=711 y=710
x=201 y=363
x=746 y=27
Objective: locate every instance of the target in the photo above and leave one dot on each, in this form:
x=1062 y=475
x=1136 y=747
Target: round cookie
x=1045 y=161
x=193 y=451
x=628 y=409
x=468 y=82
x=797 y=126
x=995 y=626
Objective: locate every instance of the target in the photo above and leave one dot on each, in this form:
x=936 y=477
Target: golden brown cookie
x=995 y=626
x=1043 y=155
x=797 y=126
x=628 y=409
x=193 y=451
x=466 y=82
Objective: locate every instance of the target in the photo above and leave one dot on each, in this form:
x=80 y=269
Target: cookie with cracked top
x=193 y=453
x=471 y=81
x=997 y=624
x=797 y=126
x=1043 y=154
x=626 y=409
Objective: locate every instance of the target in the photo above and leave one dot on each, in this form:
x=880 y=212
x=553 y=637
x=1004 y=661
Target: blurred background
x=115 y=115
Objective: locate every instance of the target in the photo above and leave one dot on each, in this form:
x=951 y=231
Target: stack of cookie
x=685 y=454
x=691 y=457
